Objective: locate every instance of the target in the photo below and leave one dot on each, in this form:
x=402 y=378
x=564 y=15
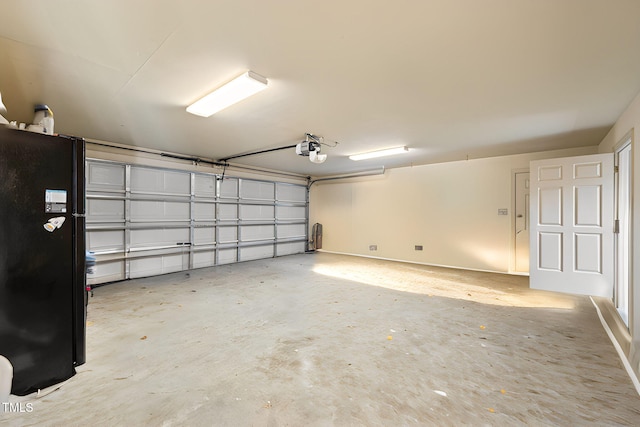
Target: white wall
x=451 y=209
x=629 y=123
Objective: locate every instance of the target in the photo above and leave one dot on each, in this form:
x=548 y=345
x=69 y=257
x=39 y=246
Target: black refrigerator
x=42 y=257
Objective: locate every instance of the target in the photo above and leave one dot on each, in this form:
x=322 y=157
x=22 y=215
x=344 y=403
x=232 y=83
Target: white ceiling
x=447 y=78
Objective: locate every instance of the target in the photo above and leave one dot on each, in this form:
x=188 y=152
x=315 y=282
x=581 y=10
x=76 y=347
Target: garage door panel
x=256 y=252
x=290 y=248
x=227 y=256
x=257 y=212
x=204 y=258
x=205 y=186
x=101 y=210
x=257 y=190
x=159 y=181
x=291 y=230
x=105 y=177
x=105 y=240
x=204 y=236
x=204 y=211
x=229 y=188
x=110 y=271
x=291 y=212
x=227 y=212
x=152 y=266
x=291 y=193
x=257 y=232
x=147 y=210
x=159 y=237
x=228 y=234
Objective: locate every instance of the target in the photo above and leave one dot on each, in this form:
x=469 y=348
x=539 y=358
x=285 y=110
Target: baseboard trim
x=423 y=263
x=616 y=344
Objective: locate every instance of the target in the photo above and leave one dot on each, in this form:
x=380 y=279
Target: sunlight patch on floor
x=437 y=284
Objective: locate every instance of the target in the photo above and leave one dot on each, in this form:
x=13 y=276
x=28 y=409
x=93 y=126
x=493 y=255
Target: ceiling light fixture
x=380 y=153
x=235 y=91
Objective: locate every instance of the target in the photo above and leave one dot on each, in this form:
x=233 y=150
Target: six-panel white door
x=572 y=204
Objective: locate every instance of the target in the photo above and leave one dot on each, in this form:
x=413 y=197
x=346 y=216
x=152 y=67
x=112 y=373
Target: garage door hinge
x=616 y=226
x=616 y=169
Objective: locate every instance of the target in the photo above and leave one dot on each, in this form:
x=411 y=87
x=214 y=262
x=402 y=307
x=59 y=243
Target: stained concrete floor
x=323 y=339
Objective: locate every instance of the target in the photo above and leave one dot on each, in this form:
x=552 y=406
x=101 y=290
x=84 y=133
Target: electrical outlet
x=418 y=247
x=503 y=211
x=373 y=247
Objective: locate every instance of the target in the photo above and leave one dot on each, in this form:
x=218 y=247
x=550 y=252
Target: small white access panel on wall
x=572 y=221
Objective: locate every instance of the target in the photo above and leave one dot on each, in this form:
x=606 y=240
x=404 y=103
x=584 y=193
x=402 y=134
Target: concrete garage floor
x=322 y=339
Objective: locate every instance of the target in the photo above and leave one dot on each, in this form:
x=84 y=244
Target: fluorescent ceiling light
x=380 y=153
x=235 y=91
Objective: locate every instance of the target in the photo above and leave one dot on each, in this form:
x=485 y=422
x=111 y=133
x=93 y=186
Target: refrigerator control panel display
x=55 y=201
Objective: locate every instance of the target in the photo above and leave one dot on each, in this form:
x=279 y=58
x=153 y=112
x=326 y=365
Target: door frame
x=627 y=140
x=513 y=253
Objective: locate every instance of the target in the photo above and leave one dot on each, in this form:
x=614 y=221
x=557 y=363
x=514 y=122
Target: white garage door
x=143 y=221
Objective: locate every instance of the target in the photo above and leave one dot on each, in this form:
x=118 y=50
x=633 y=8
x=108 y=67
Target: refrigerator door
x=39 y=238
